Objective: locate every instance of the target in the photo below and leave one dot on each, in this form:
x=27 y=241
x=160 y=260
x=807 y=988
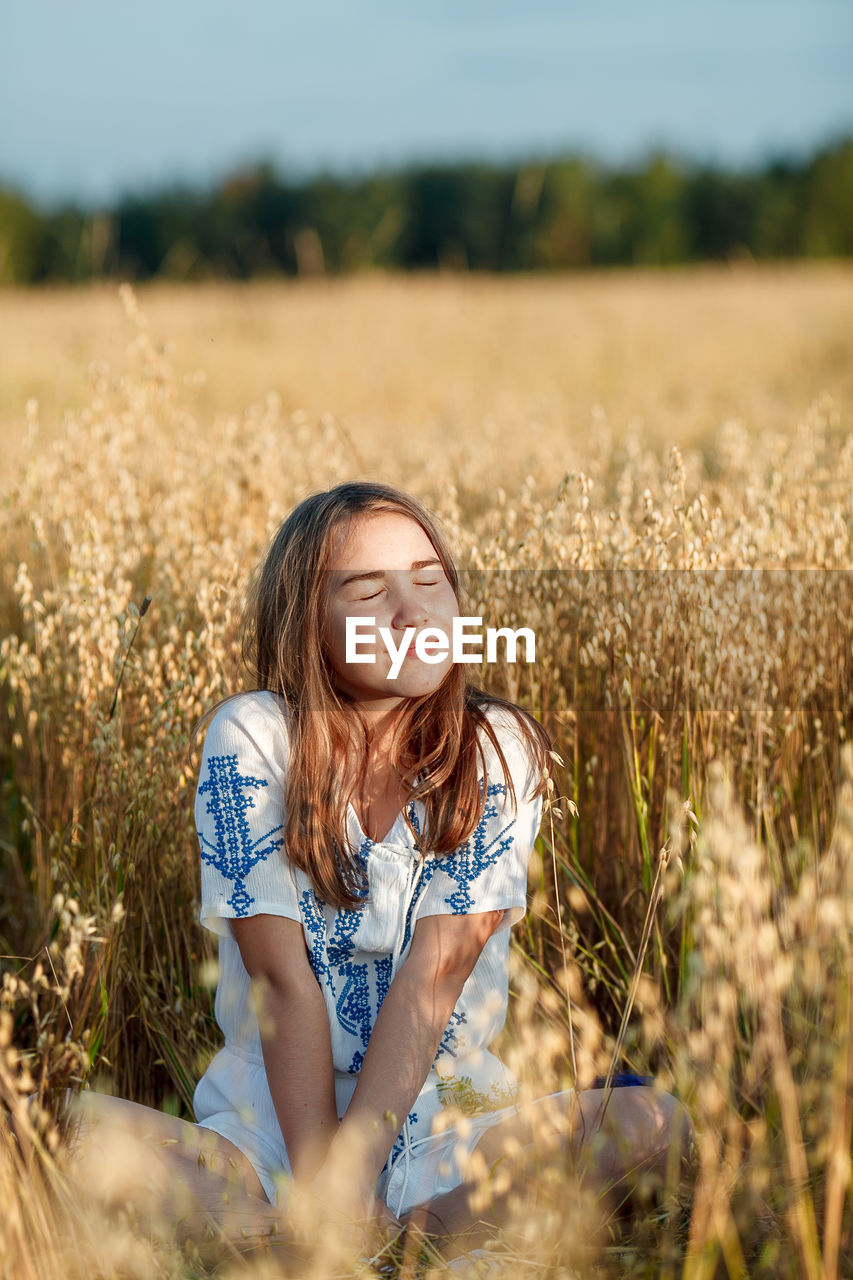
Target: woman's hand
x=295 y=1037
x=343 y=1212
x=386 y=1227
x=408 y=1030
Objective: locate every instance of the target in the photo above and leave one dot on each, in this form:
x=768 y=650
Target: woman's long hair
x=437 y=745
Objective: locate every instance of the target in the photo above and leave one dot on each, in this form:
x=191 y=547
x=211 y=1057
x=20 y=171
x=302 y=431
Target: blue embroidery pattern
x=341 y=946
x=353 y=1006
x=323 y=952
x=315 y=927
x=235 y=852
x=450 y=1040
x=357 y=985
x=331 y=955
x=362 y=889
x=427 y=873
x=399 y=1141
x=415 y=822
x=471 y=860
x=383 y=969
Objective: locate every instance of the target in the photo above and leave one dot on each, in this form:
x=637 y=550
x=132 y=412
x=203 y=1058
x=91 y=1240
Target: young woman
x=364 y=841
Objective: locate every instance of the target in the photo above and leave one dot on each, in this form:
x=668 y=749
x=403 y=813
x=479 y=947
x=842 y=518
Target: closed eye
x=433 y=582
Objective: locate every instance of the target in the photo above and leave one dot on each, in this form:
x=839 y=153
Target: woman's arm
x=405 y=1040
x=295 y=1037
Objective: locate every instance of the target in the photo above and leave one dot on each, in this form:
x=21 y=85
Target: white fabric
x=354 y=954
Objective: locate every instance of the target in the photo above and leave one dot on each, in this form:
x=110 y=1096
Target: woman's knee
x=640 y=1132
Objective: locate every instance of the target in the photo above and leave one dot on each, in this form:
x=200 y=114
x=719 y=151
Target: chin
x=417 y=685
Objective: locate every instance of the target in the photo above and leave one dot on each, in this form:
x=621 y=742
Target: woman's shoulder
x=521 y=741
x=511 y=723
x=249 y=721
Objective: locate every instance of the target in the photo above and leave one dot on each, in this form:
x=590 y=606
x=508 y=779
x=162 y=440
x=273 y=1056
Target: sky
x=104 y=97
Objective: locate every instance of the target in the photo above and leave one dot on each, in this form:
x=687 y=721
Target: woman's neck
x=380 y=723
x=376 y=764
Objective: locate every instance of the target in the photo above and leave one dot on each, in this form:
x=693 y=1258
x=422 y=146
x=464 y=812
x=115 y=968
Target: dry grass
x=693 y=613
x=491 y=374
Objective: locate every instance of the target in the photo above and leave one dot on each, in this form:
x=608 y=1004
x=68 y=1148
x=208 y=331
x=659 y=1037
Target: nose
x=409 y=608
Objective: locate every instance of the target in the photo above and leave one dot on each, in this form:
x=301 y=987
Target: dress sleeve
x=489 y=872
x=239 y=815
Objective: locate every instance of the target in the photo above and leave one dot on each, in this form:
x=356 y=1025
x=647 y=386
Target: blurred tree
x=658 y=234
x=23 y=241
x=827 y=227
x=776 y=202
x=148 y=228
x=457 y=217
x=541 y=216
x=719 y=214
x=67 y=255
x=639 y=217
x=561 y=235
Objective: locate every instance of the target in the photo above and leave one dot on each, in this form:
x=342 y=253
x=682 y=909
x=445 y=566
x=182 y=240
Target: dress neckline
x=399 y=821
x=409 y=841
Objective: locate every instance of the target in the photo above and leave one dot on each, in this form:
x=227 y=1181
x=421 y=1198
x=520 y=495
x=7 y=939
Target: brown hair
x=437 y=737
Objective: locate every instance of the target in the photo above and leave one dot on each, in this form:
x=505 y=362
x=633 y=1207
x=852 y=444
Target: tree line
x=555 y=215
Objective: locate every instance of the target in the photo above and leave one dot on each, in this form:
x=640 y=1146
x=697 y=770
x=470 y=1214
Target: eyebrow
x=383 y=573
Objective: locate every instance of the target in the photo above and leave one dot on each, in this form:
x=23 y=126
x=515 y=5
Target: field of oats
x=653 y=471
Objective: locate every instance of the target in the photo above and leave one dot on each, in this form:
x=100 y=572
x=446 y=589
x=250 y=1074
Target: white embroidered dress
x=354 y=954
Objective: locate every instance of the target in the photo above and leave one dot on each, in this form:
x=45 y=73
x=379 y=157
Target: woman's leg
x=175 y=1176
x=639 y=1140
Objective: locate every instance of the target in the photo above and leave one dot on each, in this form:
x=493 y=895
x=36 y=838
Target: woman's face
x=387 y=569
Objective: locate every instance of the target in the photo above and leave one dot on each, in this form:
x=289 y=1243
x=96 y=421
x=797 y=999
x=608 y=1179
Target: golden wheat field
x=501 y=376
x=655 y=472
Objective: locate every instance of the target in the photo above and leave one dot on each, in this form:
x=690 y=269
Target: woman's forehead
x=382 y=540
